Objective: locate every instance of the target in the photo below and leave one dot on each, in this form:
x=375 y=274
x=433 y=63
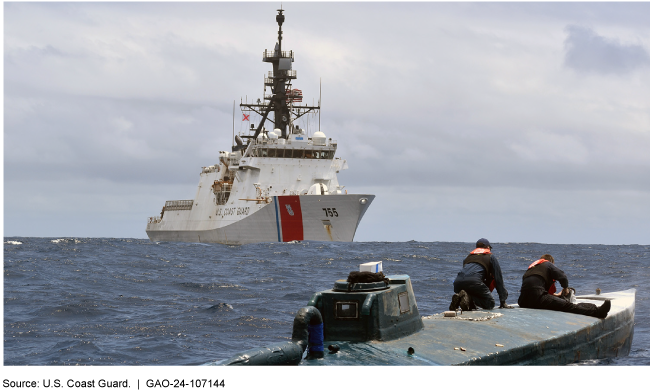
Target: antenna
x=233 y=122
x=320 y=93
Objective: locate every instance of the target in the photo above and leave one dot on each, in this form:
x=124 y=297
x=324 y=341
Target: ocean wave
x=206 y=287
x=71 y=311
x=220 y=307
x=65 y=240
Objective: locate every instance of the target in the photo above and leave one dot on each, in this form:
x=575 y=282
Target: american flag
x=294 y=96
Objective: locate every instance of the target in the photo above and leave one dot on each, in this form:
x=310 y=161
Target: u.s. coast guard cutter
x=277 y=185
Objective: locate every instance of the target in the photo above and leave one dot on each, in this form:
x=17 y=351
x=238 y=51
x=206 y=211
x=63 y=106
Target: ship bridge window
x=346 y=310
x=292 y=153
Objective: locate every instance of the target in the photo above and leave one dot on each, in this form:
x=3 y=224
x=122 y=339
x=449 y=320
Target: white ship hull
x=315 y=217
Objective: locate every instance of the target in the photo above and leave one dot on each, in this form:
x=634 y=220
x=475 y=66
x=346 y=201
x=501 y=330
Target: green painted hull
x=527 y=336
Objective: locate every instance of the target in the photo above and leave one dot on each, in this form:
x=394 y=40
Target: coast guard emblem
x=289 y=209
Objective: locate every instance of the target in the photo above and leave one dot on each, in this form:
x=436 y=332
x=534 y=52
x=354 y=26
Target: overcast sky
x=516 y=122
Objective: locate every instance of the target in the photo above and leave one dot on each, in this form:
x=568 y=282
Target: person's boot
x=604 y=309
x=455 y=300
x=465 y=301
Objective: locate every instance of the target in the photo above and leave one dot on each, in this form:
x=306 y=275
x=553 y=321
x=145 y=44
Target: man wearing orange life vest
x=481 y=273
x=538 y=290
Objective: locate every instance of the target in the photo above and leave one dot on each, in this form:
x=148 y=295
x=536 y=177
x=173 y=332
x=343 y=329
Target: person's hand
x=563 y=292
x=504 y=305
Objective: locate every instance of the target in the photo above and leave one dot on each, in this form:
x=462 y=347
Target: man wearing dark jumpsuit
x=538 y=291
x=474 y=284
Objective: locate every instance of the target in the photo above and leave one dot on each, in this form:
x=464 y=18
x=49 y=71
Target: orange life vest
x=481 y=250
x=485 y=262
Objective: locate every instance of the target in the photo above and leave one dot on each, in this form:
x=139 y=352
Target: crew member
x=480 y=274
x=538 y=290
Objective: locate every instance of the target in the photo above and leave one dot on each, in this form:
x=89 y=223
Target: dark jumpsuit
x=534 y=293
x=471 y=280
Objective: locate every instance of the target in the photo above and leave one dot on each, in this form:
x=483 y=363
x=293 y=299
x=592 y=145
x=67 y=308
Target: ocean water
x=110 y=302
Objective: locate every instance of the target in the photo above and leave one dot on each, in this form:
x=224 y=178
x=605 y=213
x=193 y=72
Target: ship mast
x=282 y=73
x=279 y=80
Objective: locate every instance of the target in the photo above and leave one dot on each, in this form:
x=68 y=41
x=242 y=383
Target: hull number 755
x=331 y=212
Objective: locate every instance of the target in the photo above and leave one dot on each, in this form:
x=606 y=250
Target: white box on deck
x=374 y=267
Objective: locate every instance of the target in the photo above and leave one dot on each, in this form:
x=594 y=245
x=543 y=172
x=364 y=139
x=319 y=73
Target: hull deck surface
x=527 y=336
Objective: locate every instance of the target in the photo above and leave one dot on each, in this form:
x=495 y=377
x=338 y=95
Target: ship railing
x=272 y=54
x=289 y=74
x=290 y=98
x=179 y=205
x=223 y=195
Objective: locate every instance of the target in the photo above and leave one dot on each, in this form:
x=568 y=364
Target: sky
x=517 y=122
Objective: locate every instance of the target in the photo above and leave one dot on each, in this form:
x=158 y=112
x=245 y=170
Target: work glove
x=504 y=305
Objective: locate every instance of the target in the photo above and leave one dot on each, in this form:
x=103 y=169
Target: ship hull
x=520 y=336
x=331 y=218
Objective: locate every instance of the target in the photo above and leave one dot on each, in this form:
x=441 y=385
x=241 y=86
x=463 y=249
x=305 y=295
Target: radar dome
x=319 y=138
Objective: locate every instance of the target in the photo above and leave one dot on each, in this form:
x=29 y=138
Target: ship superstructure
x=275 y=185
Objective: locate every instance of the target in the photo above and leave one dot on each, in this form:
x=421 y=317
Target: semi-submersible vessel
x=378 y=323
x=275 y=185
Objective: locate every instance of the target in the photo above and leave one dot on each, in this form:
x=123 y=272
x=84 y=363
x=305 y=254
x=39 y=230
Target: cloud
x=435 y=106
x=505 y=214
x=589 y=52
x=544 y=146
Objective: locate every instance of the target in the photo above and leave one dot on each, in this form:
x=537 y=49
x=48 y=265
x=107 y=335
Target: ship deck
x=502 y=337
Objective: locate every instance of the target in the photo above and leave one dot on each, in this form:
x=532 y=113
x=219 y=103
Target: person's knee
x=483 y=301
x=523 y=303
